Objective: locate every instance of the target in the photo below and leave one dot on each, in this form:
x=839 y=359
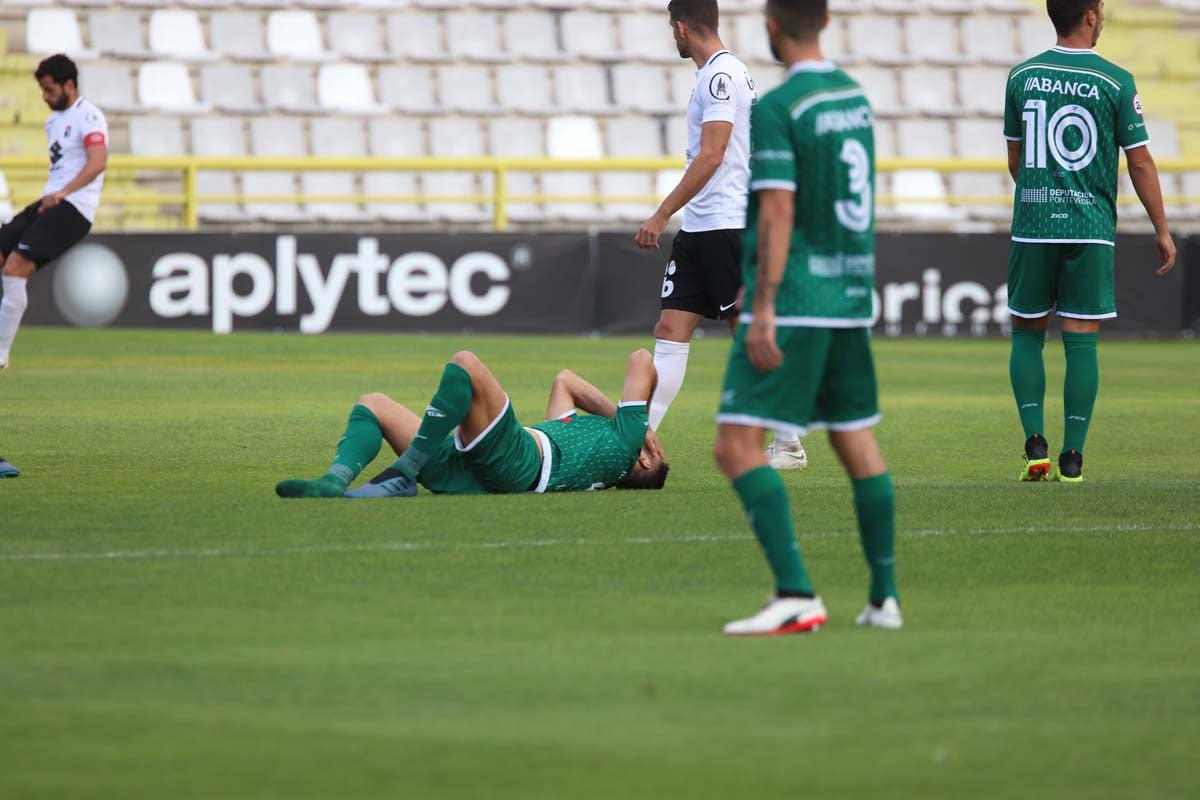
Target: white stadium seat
x=337 y=137
x=408 y=88
x=641 y=87
x=167 y=86
x=924 y=138
x=1164 y=138
x=980 y=138
x=218 y=136
x=983 y=185
x=885 y=139
x=466 y=89
x=109 y=86
x=295 y=35
x=218 y=183
x=396 y=138
x=531 y=35
x=683 y=81
x=236 y=34
x=879 y=84
x=876 y=39
x=990 y=40
x=524 y=89
x=572 y=137
x=582 y=88
x=346 y=88
x=933 y=40
x=981 y=90
x=289 y=88
x=277 y=136
x=633 y=137
x=834 y=45
x=415 y=37
x=677 y=143
x=588 y=35
x=750 y=39
x=229 y=87
x=519 y=138
x=358 y=37
x=156 y=136
x=929 y=90
x=177 y=34
x=1035 y=34
x=647 y=37
x=117 y=33
x=274 y=137
x=386 y=5
x=53 y=30
x=272 y=184
x=920 y=194
x=455 y=138
x=473 y=37
x=332 y=184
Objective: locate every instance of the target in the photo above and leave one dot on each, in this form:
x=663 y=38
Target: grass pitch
x=169 y=628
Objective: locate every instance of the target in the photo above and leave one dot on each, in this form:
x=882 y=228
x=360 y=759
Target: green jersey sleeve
x=1131 y=126
x=1012 y=114
x=772 y=153
x=630 y=423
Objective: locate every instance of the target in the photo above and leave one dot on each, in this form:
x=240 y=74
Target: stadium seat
x=834 y=45
x=990 y=40
x=1035 y=34
x=588 y=35
x=532 y=36
x=646 y=37
x=641 y=87
x=385 y=5
x=524 y=89
x=932 y=39
x=519 y=138
x=277 y=136
x=466 y=89
x=750 y=40
x=885 y=139
x=1164 y=138
x=572 y=137
x=924 y=138
x=980 y=138
x=876 y=39
x=394 y=138
x=880 y=87
x=981 y=90
x=54 y=30
x=289 y=88
x=677 y=143
x=167 y=86
x=229 y=87
x=266 y=4
x=295 y=35
x=332 y=184
x=633 y=137
x=357 y=37
x=272 y=184
x=337 y=137
x=177 y=34
x=117 y=33
x=683 y=81
x=582 y=88
x=218 y=136
x=408 y=88
x=274 y=137
x=346 y=88
x=456 y=138
x=210 y=182
x=156 y=136
x=473 y=37
x=930 y=90
x=921 y=195
x=415 y=37
x=108 y=86
x=238 y=35
x=983 y=185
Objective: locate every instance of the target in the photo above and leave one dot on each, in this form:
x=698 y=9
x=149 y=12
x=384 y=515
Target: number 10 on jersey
x=1042 y=135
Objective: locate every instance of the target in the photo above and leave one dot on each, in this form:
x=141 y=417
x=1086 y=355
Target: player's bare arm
x=776 y=211
x=1014 y=159
x=714 y=139
x=570 y=392
x=97 y=161
x=640 y=378
x=1144 y=176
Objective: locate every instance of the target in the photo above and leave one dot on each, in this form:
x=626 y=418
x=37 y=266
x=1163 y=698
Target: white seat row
x=520 y=35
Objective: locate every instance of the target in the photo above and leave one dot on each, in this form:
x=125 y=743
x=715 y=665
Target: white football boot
x=781 y=456
x=782 y=615
x=886 y=616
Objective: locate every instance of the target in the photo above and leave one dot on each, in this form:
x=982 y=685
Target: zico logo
x=417 y=284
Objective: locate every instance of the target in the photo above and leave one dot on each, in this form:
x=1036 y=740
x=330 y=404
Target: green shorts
x=504 y=459
x=827 y=380
x=1077 y=278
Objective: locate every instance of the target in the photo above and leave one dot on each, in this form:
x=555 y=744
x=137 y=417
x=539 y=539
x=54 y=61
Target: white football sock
x=11 y=310
x=670 y=359
x=788 y=439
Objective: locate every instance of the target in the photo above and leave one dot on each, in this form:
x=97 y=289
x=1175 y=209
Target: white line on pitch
x=406 y=547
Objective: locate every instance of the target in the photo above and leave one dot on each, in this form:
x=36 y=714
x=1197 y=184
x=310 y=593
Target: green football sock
x=446 y=411
x=1027 y=371
x=358 y=446
x=875 y=505
x=766 y=502
x=1080 y=387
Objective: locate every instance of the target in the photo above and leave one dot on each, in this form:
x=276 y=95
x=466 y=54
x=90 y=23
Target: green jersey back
x=594 y=452
x=1071 y=110
x=813 y=136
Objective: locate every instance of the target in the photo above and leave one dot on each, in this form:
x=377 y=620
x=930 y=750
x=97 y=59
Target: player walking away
x=801 y=357
x=1066 y=113
x=703 y=274
x=47 y=228
x=7 y=470
x=491 y=453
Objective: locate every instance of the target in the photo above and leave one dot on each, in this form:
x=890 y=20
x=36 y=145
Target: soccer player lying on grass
x=491 y=453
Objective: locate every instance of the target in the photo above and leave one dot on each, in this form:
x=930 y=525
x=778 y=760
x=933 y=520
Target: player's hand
x=647 y=235
x=1166 y=252
x=761 y=346
x=654 y=446
x=50 y=201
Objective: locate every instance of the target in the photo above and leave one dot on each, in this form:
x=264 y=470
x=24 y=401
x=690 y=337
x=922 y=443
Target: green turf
x=169 y=628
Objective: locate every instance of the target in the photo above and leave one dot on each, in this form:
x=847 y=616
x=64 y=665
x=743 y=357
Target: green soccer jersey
x=813 y=136
x=594 y=452
x=1071 y=110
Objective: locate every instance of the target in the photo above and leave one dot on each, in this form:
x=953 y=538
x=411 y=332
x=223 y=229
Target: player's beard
x=61 y=103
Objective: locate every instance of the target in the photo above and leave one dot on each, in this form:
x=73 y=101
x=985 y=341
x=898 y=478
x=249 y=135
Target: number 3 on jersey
x=1042 y=135
x=855 y=214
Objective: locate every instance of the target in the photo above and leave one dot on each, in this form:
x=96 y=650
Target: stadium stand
x=538 y=79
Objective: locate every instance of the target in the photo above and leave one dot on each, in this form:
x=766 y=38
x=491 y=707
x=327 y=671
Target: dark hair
x=800 y=20
x=59 y=68
x=1068 y=14
x=652 y=478
x=696 y=13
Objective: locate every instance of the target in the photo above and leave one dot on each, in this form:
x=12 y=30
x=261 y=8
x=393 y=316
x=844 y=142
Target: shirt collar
x=1072 y=50
x=713 y=58
x=811 y=65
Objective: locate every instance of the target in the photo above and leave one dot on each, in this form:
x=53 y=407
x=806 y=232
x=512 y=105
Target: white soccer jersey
x=68 y=133
x=724 y=92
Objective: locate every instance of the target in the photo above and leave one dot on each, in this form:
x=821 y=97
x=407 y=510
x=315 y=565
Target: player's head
x=648 y=472
x=59 y=79
x=692 y=20
x=798 y=20
x=1069 y=16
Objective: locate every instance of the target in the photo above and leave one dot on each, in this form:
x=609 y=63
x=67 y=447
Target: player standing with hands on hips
x=1067 y=112
x=703 y=274
x=77 y=135
x=801 y=357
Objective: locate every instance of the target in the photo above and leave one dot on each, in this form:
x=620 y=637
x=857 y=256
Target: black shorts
x=704 y=273
x=44 y=237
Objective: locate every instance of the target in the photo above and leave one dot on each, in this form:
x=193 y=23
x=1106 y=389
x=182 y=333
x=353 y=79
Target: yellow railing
x=189 y=199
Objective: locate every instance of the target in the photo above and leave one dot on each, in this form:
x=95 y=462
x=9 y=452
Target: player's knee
x=467 y=360
x=17 y=266
x=672 y=333
x=563 y=376
x=373 y=401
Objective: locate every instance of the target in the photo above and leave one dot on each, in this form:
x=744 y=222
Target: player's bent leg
x=355 y=450
x=672 y=346
x=465 y=385
x=14 y=280
x=488 y=398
